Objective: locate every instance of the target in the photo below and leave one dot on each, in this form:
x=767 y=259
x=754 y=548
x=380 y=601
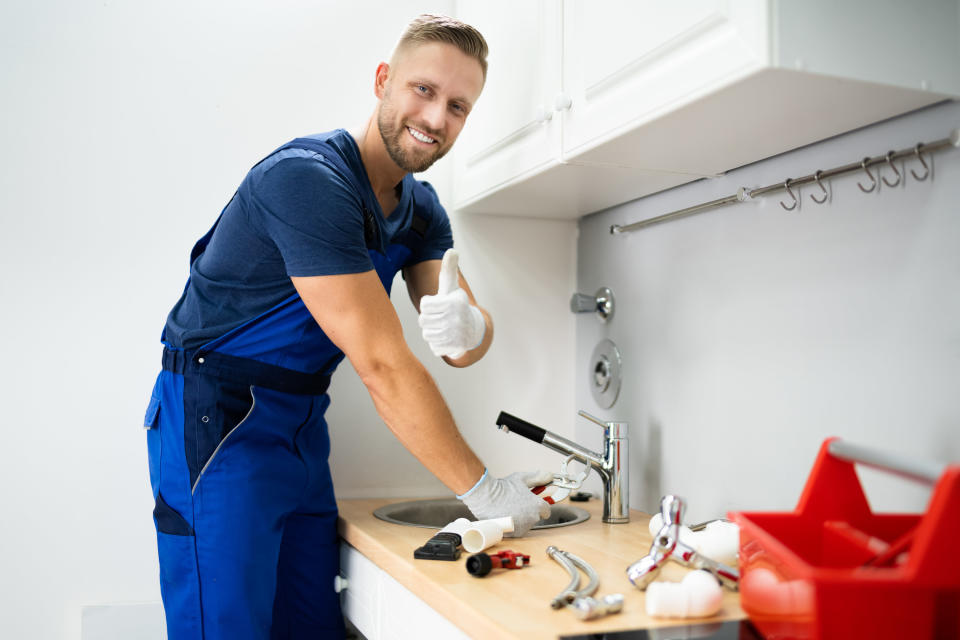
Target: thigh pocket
x=169 y=521
x=179 y=574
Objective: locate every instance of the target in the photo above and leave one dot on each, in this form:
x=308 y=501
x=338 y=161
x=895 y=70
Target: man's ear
x=380 y=81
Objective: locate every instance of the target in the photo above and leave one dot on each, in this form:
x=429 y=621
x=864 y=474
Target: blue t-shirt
x=297 y=214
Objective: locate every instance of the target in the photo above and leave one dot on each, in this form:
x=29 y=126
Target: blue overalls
x=245 y=512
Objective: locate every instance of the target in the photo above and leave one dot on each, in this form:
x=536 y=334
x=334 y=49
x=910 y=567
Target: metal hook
x=786 y=185
x=926 y=173
x=826 y=194
x=863 y=165
x=894 y=167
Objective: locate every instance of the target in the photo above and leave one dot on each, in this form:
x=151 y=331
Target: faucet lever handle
x=593 y=419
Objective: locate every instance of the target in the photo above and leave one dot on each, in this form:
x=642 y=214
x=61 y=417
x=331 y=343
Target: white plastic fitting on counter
x=458 y=526
x=698 y=595
x=719 y=540
x=483 y=534
x=478 y=535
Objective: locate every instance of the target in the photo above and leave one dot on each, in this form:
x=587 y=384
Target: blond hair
x=434 y=28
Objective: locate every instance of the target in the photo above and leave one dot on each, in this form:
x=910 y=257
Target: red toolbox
x=834 y=569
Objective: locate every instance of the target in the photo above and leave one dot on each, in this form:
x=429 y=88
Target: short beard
x=391 y=134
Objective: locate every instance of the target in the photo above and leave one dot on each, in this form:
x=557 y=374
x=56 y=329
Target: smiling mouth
x=420 y=136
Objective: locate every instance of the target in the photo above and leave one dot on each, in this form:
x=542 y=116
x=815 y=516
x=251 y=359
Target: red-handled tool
x=551 y=493
x=481 y=564
x=563 y=483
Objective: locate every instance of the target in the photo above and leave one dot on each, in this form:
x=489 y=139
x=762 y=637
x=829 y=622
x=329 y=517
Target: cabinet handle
x=543 y=114
x=562 y=102
x=339 y=584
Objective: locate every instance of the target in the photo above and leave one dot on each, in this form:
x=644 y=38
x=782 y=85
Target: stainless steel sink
x=437 y=513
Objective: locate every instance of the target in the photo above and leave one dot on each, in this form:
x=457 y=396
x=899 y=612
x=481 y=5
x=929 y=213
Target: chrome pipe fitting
x=667 y=545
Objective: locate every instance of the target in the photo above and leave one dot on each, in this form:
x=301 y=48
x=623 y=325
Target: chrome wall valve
x=601 y=302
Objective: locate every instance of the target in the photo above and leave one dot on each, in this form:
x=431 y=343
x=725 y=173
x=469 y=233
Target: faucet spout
x=569 y=448
x=611 y=464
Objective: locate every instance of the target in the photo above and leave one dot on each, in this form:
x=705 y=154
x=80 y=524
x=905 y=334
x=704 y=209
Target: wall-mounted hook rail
x=917 y=152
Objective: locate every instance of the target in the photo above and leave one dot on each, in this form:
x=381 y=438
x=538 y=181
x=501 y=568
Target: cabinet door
x=513 y=131
x=403 y=615
x=361 y=600
x=653 y=58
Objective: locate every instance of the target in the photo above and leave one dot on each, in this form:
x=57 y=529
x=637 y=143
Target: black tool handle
x=521 y=427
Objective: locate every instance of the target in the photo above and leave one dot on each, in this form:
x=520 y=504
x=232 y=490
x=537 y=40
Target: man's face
x=425 y=100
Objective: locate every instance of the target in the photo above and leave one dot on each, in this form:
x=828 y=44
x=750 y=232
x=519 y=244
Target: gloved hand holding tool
x=562 y=483
x=496 y=497
x=449 y=323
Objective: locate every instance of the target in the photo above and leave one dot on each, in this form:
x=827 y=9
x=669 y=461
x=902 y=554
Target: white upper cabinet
x=630 y=61
x=512 y=131
x=593 y=103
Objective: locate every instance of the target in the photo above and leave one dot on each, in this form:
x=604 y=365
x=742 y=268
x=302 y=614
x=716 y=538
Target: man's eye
x=421 y=88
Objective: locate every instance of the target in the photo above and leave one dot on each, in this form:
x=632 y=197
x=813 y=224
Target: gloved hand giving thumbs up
x=449 y=323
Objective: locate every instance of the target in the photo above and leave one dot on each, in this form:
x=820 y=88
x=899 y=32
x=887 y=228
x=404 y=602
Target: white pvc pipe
x=458 y=526
x=698 y=595
x=483 y=534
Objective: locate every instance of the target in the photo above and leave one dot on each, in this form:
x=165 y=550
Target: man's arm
x=422 y=279
x=357 y=315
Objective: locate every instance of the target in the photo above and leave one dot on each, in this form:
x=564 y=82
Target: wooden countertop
x=516 y=603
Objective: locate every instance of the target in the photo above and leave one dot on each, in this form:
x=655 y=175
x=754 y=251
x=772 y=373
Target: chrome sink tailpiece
x=612 y=464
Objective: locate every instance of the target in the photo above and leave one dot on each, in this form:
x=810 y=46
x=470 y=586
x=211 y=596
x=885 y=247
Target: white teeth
x=419 y=136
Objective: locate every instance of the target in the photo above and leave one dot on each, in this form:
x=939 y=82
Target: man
x=294 y=275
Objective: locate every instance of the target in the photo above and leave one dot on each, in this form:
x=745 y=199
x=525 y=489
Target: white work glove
x=498 y=497
x=449 y=323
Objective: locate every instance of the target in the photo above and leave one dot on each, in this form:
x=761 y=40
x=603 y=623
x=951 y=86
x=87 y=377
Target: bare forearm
x=410 y=404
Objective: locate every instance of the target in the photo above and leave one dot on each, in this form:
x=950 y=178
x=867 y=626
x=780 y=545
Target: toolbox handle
x=919 y=470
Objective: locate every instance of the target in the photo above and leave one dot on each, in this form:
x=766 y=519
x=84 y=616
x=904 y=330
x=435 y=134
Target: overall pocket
x=234 y=420
x=213 y=409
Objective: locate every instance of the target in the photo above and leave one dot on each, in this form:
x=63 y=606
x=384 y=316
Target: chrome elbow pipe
x=668 y=546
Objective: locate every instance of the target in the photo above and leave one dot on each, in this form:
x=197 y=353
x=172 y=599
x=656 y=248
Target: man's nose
x=434 y=114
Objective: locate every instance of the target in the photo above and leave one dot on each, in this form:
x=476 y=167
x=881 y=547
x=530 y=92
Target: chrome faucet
x=612 y=465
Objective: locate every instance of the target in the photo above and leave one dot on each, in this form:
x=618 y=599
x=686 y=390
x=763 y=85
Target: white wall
x=126 y=128
x=749 y=334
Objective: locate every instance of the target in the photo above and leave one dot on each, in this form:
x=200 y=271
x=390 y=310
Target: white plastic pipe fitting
x=483 y=534
x=698 y=595
x=478 y=535
x=458 y=526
